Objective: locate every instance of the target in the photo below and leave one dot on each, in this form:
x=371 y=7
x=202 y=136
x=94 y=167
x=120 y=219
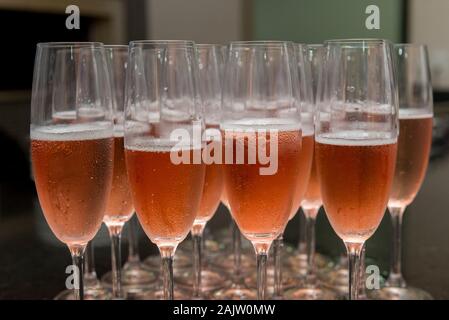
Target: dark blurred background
x=32 y=262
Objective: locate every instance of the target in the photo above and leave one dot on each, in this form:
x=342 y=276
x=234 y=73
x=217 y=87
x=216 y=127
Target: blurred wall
x=313 y=21
x=429 y=24
x=204 y=21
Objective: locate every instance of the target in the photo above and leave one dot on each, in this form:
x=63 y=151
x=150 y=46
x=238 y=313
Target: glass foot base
x=180 y=262
x=132 y=275
x=210 y=280
x=311 y=294
x=289 y=280
x=395 y=293
x=226 y=263
x=211 y=246
x=156 y=294
x=235 y=292
x=136 y=278
x=89 y=294
x=298 y=263
x=337 y=280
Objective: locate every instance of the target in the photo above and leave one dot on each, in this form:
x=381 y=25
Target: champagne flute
x=72 y=144
x=415 y=140
x=260 y=112
x=237 y=263
x=305 y=161
x=163 y=151
x=310 y=288
x=120 y=207
x=284 y=279
x=280 y=278
x=356 y=141
x=210 y=63
x=298 y=263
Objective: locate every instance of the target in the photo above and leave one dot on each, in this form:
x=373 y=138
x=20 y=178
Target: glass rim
x=315 y=45
x=410 y=45
x=209 y=46
x=356 y=41
x=116 y=46
x=155 y=43
x=300 y=47
x=81 y=44
x=261 y=43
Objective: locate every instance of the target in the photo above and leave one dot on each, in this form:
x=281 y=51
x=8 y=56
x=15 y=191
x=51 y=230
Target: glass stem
x=90 y=275
x=167 y=253
x=277 y=252
x=310 y=219
x=362 y=281
x=133 y=242
x=237 y=250
x=77 y=252
x=354 y=250
x=261 y=257
x=302 y=246
x=395 y=278
x=115 y=233
x=197 y=239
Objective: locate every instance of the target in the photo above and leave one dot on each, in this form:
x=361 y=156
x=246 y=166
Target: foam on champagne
x=307 y=124
x=73 y=132
x=158 y=145
x=118 y=131
x=415 y=113
x=307 y=132
x=356 y=138
x=281 y=124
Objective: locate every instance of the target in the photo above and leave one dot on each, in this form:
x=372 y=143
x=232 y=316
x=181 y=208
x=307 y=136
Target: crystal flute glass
x=240 y=262
x=306 y=155
x=260 y=93
x=120 y=206
x=309 y=288
x=72 y=143
x=163 y=131
x=210 y=66
x=414 y=144
x=202 y=279
x=237 y=262
x=356 y=133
